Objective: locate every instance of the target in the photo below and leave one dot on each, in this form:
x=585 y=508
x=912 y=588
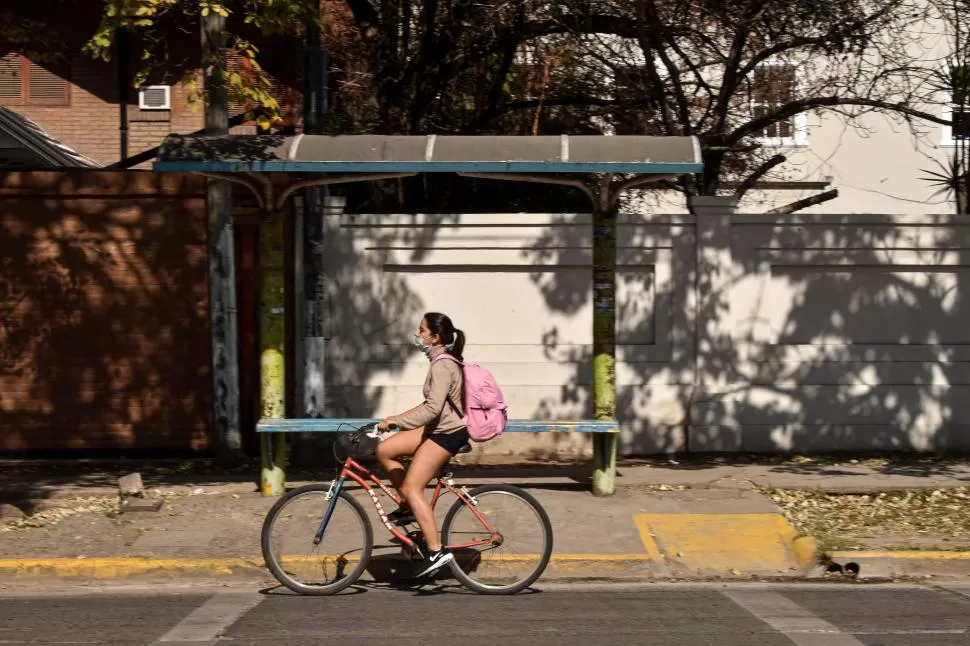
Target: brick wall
x=90 y=123
x=104 y=336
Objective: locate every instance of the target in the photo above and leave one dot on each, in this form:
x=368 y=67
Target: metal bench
x=604 y=475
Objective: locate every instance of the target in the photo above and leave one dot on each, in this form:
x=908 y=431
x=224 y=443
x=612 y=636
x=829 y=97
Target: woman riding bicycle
x=431 y=433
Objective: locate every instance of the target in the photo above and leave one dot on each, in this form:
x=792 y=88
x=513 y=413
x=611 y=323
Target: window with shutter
x=11 y=78
x=23 y=82
x=957 y=111
x=46 y=87
x=774 y=85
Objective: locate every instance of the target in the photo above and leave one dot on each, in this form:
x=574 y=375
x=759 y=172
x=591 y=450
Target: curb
x=382 y=567
x=389 y=567
x=907 y=555
x=908 y=563
x=806 y=552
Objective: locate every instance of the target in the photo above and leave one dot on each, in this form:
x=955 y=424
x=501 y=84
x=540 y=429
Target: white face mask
x=421 y=344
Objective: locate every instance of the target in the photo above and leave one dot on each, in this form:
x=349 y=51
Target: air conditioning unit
x=155 y=97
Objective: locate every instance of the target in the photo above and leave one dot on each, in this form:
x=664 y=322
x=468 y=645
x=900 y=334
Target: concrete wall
x=816 y=332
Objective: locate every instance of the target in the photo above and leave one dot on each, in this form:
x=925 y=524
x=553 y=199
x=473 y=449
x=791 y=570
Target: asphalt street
x=560 y=615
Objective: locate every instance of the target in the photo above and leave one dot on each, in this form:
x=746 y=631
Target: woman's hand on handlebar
x=388 y=424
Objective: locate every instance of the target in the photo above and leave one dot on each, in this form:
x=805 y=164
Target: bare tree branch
x=758 y=173
x=805 y=203
x=806 y=105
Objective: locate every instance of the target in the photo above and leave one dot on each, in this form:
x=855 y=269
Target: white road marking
x=801 y=626
x=957 y=588
x=215 y=615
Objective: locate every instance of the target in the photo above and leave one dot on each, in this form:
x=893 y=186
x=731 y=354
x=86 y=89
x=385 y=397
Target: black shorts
x=451 y=442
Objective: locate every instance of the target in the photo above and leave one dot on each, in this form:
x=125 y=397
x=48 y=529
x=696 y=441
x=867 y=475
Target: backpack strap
x=453 y=407
x=448 y=356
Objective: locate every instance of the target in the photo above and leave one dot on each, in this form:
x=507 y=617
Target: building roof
x=24 y=145
x=425 y=154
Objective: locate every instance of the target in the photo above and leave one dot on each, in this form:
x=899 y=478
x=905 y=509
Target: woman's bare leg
x=394 y=447
x=427 y=461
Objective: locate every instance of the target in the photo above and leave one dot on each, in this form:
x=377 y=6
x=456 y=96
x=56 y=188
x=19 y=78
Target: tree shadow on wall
x=844 y=333
x=105 y=341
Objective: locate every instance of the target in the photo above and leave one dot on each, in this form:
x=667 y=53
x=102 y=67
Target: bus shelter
x=275 y=167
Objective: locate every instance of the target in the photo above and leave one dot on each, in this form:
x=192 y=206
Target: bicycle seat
x=466 y=448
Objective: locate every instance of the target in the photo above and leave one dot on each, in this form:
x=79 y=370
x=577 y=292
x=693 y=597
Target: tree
x=952 y=81
x=154 y=22
x=735 y=74
x=24 y=35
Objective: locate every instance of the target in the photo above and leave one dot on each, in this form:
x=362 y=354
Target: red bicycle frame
x=361 y=475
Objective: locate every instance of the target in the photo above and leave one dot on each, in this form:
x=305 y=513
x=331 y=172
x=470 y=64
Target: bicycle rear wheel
x=329 y=566
x=523 y=547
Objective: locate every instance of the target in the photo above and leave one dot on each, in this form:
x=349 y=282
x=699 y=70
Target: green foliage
x=156 y=20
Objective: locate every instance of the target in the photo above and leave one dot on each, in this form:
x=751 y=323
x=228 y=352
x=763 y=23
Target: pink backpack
x=485 y=409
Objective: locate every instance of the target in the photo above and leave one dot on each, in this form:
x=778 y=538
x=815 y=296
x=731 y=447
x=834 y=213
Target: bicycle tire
x=276 y=568
x=546 y=553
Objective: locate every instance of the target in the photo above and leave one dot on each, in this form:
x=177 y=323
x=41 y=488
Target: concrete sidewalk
x=667 y=521
x=35 y=483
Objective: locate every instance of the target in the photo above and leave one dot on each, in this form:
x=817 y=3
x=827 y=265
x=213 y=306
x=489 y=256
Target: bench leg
x=604 y=464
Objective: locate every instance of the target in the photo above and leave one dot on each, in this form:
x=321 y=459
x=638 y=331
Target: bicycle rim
x=325 y=568
x=526 y=544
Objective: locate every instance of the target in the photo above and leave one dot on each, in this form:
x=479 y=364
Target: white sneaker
x=435 y=561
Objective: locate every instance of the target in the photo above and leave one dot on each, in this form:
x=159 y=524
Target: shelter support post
x=604 y=337
x=272 y=384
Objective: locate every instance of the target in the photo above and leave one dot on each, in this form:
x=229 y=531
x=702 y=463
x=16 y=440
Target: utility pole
x=314 y=108
x=222 y=264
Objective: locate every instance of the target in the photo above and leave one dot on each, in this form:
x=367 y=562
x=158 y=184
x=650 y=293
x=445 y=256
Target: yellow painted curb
x=109 y=568
x=805 y=550
x=120 y=567
x=914 y=555
x=726 y=542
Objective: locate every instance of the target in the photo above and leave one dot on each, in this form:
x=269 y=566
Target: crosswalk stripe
x=956 y=588
x=798 y=624
x=208 y=620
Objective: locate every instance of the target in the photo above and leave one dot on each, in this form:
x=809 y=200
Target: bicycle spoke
x=310 y=568
x=513 y=557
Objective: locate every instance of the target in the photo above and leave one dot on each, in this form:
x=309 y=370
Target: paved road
x=675 y=615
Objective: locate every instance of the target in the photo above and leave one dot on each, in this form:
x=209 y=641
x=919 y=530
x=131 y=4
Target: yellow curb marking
x=102 y=568
x=743 y=542
x=125 y=566
x=805 y=549
x=904 y=554
x=650 y=545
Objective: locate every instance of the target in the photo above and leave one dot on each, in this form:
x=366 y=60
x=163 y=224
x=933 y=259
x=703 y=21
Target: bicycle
x=344 y=551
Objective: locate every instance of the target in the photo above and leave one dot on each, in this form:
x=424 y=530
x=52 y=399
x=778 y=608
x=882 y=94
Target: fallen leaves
x=73 y=507
x=838 y=521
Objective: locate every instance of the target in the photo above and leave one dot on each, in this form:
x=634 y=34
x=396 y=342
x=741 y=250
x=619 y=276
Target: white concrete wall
x=817 y=332
x=846 y=332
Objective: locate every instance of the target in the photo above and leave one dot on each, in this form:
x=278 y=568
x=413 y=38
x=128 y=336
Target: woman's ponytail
x=459 y=346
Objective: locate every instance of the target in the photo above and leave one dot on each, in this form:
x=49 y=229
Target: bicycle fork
x=332 y=494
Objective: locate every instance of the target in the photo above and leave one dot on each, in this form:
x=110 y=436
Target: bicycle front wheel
x=304 y=565
x=506 y=553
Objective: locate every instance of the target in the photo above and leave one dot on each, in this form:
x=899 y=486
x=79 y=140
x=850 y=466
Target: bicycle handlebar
x=374 y=432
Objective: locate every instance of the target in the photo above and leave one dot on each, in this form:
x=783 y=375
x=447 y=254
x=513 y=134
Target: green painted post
x=604 y=340
x=272 y=337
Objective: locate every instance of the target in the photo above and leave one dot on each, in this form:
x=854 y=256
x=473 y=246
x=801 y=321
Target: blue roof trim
x=650 y=168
